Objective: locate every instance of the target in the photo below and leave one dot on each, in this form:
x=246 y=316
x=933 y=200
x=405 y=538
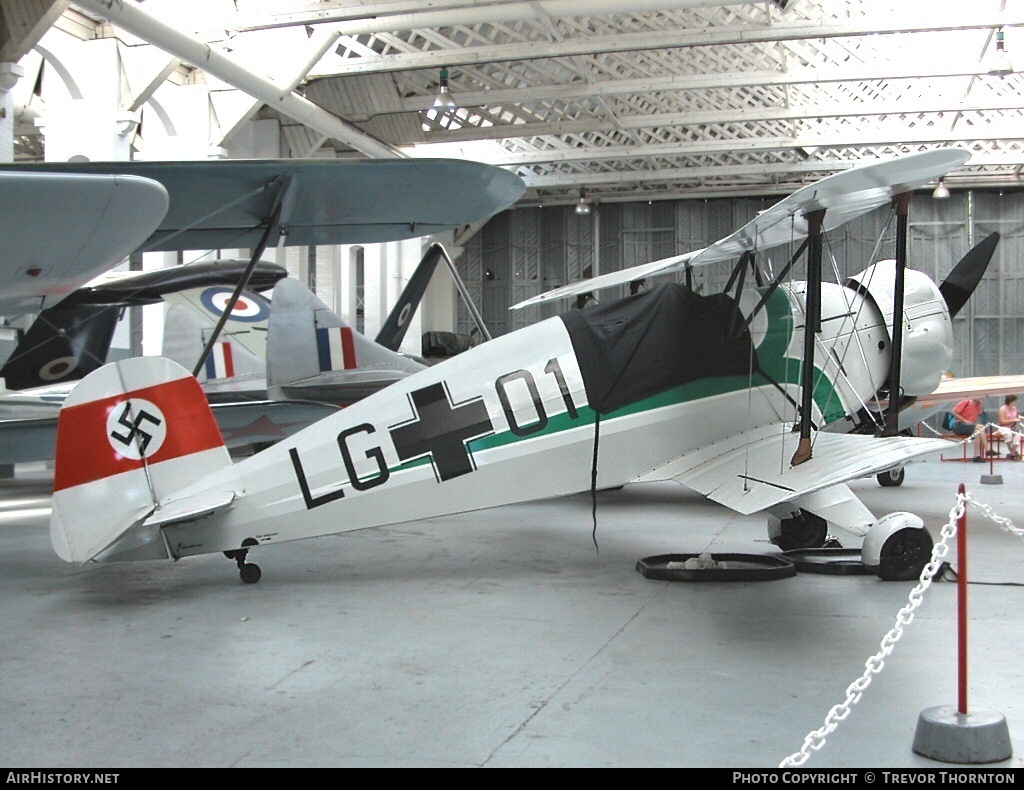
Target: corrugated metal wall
x=527 y=251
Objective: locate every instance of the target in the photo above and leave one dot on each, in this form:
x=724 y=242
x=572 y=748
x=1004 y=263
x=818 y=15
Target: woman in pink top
x=1008 y=419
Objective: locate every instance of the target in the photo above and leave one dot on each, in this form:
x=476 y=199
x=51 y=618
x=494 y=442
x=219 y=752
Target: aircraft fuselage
x=512 y=420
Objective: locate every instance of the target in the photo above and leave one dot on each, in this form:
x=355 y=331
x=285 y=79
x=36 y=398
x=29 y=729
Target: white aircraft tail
x=129 y=435
x=193 y=313
x=306 y=339
x=187 y=329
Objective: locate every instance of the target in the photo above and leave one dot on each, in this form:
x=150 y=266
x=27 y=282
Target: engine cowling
x=927 y=328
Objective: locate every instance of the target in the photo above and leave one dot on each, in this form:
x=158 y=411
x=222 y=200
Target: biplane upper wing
x=61 y=229
x=843 y=196
x=225 y=204
x=750 y=471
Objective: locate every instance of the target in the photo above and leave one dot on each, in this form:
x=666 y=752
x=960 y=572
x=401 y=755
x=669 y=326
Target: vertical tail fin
x=306 y=339
x=130 y=434
x=64 y=343
x=190 y=320
x=392 y=333
x=196 y=310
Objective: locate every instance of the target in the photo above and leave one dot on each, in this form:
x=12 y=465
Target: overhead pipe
x=134 y=20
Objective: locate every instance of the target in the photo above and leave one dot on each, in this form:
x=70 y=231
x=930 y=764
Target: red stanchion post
x=951 y=734
x=961 y=604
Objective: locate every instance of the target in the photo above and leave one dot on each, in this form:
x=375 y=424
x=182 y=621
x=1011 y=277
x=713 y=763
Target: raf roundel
x=246 y=309
x=57 y=368
x=136 y=428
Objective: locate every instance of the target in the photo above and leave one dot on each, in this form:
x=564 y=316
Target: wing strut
x=740 y=275
x=775 y=283
x=892 y=412
x=273 y=224
x=466 y=298
x=812 y=325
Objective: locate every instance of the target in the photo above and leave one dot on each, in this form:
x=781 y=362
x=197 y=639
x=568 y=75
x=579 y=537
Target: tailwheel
x=803 y=530
x=248 y=571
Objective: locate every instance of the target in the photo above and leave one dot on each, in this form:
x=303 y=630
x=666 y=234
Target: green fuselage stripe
x=773 y=359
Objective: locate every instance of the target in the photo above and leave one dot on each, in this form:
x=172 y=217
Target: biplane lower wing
x=750 y=471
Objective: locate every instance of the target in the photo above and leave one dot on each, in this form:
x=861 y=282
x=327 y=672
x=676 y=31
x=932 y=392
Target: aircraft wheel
x=250 y=573
x=802 y=531
x=904 y=555
x=892 y=478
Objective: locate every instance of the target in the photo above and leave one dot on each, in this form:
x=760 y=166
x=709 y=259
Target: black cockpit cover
x=639 y=346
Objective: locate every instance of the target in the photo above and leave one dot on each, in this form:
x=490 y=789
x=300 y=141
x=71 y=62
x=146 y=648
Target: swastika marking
x=136 y=428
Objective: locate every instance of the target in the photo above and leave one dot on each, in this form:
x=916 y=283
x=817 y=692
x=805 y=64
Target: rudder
x=130 y=434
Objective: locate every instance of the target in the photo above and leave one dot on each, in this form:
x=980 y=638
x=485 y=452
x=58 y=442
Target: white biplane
x=644 y=388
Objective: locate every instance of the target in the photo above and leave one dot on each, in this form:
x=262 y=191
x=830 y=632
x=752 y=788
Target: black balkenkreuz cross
x=441 y=429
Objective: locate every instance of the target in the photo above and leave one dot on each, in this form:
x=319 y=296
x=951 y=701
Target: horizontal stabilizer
x=190 y=508
x=750 y=471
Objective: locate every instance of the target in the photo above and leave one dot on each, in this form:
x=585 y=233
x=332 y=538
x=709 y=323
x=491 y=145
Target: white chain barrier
x=816 y=739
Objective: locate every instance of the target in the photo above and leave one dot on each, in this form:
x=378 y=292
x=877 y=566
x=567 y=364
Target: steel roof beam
x=735 y=115
x=735 y=79
x=784 y=169
x=671 y=39
x=1001 y=132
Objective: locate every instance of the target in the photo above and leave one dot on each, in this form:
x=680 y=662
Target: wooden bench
x=995 y=444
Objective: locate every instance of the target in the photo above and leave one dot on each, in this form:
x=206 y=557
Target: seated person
x=967 y=421
x=1009 y=428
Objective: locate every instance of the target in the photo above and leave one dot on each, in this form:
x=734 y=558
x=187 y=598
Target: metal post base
x=980 y=736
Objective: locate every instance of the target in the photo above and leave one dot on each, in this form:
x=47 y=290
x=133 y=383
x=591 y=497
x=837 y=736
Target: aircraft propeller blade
x=957 y=288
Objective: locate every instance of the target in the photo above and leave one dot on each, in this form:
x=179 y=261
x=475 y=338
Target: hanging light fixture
x=941 y=191
x=444 y=100
x=999 y=65
x=583 y=207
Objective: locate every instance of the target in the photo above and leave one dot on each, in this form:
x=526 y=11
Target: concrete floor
x=497 y=638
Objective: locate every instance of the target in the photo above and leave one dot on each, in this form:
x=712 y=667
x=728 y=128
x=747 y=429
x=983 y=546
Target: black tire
x=892 y=478
x=802 y=531
x=250 y=573
x=904 y=555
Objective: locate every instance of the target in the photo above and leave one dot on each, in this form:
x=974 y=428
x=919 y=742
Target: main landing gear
x=250 y=572
x=892 y=477
x=802 y=530
x=897 y=547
